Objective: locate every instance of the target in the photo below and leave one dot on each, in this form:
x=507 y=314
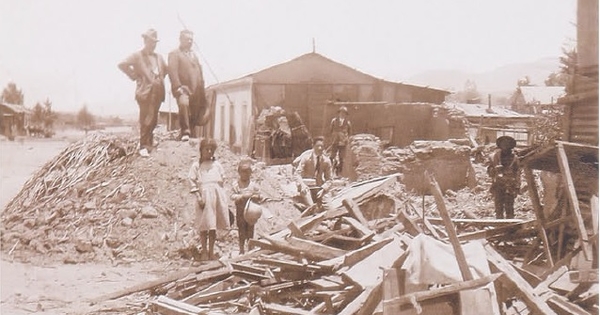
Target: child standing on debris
x=206 y=179
x=244 y=190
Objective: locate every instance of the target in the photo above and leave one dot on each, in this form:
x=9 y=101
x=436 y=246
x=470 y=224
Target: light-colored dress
x=208 y=179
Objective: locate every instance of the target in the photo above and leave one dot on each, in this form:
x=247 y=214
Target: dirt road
x=57 y=288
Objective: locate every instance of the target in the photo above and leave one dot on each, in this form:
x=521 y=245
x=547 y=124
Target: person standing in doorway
x=340 y=131
x=504 y=170
x=187 y=85
x=148 y=69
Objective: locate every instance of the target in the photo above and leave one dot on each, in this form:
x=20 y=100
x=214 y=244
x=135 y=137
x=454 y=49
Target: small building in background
x=13 y=119
x=485 y=123
x=535 y=99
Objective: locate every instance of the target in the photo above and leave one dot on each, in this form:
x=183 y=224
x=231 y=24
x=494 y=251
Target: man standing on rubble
x=506 y=177
x=148 y=69
x=340 y=131
x=313 y=173
x=187 y=85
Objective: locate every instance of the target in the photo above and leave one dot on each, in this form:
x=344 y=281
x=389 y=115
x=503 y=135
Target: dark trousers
x=191 y=110
x=504 y=204
x=148 y=119
x=341 y=151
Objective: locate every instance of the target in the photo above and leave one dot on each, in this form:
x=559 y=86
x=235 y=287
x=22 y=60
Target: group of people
x=314 y=170
x=148 y=69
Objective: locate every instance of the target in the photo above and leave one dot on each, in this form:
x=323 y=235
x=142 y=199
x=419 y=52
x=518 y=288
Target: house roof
x=314 y=68
x=544 y=95
x=17 y=109
x=481 y=110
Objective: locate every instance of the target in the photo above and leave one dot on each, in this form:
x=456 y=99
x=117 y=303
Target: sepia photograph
x=285 y=157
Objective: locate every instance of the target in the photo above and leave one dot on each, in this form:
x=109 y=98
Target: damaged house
x=535 y=99
x=304 y=85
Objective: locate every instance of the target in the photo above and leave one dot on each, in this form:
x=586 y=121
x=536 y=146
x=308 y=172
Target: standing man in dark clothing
x=340 y=131
x=148 y=70
x=506 y=177
x=187 y=85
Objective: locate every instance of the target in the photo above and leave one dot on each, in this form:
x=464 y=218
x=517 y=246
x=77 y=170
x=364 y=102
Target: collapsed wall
x=449 y=161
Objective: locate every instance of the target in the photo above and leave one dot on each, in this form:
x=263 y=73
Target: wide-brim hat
x=506 y=142
x=343 y=109
x=151 y=34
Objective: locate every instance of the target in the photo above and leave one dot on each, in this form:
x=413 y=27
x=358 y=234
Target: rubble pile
x=99 y=201
x=339 y=262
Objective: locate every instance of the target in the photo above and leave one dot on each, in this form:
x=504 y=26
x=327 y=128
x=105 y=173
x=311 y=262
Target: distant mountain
x=502 y=80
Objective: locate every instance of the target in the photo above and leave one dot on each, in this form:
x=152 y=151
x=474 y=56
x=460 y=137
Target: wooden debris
x=167 y=306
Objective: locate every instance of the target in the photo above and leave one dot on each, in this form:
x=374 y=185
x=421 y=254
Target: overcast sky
x=68 y=50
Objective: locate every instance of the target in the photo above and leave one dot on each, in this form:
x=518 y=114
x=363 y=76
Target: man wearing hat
x=506 y=177
x=340 y=130
x=187 y=85
x=148 y=69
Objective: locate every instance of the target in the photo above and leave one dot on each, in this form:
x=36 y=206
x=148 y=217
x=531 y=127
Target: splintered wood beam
x=478 y=222
x=321 y=250
x=288 y=265
x=366 y=302
x=218 y=296
x=565 y=170
x=168 y=306
x=514 y=280
x=539 y=213
x=409 y=223
x=282 y=309
x=441 y=205
x=361 y=228
x=397 y=302
x=543 y=287
x=562 y=306
x=353 y=209
x=502 y=230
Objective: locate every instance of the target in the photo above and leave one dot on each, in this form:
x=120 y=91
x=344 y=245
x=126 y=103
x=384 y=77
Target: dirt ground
x=56 y=288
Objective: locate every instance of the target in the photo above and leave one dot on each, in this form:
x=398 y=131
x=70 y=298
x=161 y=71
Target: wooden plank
x=562 y=306
x=365 y=303
x=288 y=265
x=218 y=296
x=168 y=306
x=391 y=289
x=354 y=211
x=513 y=279
x=584 y=276
x=154 y=283
x=543 y=287
x=325 y=251
x=478 y=222
x=367 y=272
x=282 y=309
x=362 y=229
x=302 y=250
x=409 y=223
x=430 y=294
x=458 y=252
x=573 y=201
x=503 y=230
x=295 y=230
x=359 y=192
x=355 y=256
x=539 y=213
x=346 y=242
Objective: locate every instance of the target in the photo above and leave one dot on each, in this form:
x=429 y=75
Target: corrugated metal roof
x=543 y=95
x=481 y=110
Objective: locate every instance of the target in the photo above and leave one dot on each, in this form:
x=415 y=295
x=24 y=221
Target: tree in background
x=12 y=95
x=525 y=81
x=37 y=117
x=49 y=115
x=85 y=119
